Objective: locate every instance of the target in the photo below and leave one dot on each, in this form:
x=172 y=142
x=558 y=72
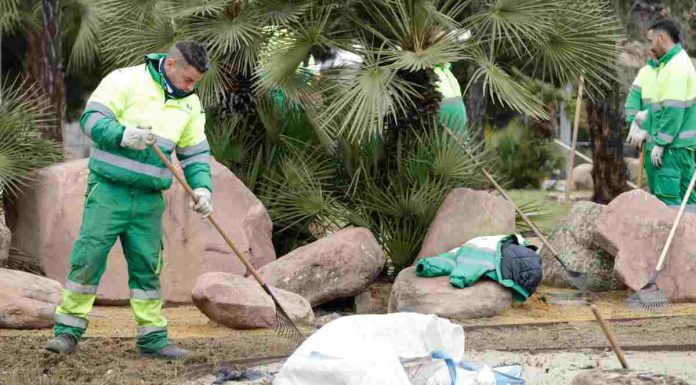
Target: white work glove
x=636 y=135
x=204 y=205
x=640 y=117
x=137 y=138
x=656 y=156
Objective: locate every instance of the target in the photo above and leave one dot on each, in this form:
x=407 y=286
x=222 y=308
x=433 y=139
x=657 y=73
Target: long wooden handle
x=610 y=336
x=576 y=124
x=676 y=222
x=640 y=166
x=212 y=220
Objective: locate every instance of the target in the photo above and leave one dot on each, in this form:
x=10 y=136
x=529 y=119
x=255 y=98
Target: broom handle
x=610 y=336
x=640 y=166
x=676 y=222
x=576 y=123
x=212 y=220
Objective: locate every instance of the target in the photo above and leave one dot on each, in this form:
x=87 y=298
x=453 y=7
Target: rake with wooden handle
x=285 y=326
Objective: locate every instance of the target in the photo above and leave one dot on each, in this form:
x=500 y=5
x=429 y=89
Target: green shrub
x=523 y=156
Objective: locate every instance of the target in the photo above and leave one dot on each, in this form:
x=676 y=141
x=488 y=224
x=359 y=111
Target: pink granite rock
x=48 y=219
x=436 y=296
x=339 y=265
x=466 y=214
x=634 y=228
x=241 y=303
x=27 y=301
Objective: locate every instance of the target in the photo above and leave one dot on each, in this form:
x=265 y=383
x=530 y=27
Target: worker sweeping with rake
x=131 y=110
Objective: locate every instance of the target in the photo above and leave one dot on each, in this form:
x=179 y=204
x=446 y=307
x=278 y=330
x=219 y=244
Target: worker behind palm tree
x=662 y=112
x=131 y=109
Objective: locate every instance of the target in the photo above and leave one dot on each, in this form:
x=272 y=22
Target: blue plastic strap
x=451 y=366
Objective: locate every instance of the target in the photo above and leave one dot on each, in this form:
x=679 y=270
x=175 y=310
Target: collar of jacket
x=666 y=57
x=152 y=62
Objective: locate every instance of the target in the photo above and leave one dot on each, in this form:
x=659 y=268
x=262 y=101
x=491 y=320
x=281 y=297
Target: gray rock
x=574 y=240
x=624 y=377
x=582 y=177
x=437 y=296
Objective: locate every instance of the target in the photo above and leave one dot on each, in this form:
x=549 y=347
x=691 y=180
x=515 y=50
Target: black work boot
x=169 y=352
x=63 y=343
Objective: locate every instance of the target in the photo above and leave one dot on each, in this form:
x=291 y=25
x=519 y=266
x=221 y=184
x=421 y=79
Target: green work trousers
x=135 y=216
x=670 y=181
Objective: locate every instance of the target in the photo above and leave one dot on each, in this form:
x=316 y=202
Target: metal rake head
x=286 y=328
x=649 y=298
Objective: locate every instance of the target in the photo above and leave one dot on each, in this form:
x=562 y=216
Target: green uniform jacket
x=667 y=89
x=466 y=264
x=135 y=96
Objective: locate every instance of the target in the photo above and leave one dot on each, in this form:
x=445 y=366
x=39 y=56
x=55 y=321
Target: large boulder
x=27 y=301
x=634 y=228
x=436 y=296
x=466 y=214
x=574 y=240
x=48 y=219
x=241 y=303
x=339 y=265
x=582 y=177
x=624 y=377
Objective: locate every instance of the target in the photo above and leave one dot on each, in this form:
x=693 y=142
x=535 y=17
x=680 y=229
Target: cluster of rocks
x=617 y=244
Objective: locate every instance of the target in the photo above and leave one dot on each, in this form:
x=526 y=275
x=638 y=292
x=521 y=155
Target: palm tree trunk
x=476 y=105
x=610 y=172
x=44 y=65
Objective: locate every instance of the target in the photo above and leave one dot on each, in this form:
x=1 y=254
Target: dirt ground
x=551 y=330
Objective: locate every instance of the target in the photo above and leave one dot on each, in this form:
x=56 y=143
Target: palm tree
x=360 y=144
x=24 y=113
x=56 y=32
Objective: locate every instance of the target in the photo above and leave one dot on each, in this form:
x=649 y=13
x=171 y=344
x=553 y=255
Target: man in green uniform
x=132 y=108
x=666 y=91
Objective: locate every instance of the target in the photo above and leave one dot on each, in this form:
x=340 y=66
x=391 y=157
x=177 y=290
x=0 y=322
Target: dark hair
x=194 y=54
x=668 y=26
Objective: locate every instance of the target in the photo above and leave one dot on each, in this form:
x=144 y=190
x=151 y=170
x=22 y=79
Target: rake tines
x=650 y=298
x=286 y=328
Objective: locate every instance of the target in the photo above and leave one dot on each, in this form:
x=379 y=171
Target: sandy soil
x=546 y=335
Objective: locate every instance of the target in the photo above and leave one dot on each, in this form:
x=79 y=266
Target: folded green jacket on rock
x=483 y=257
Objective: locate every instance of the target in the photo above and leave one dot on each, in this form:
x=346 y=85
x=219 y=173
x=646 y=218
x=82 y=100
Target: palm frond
x=24 y=113
x=499 y=85
x=134 y=10
x=287 y=49
x=515 y=22
x=84 y=52
x=439 y=156
x=127 y=41
x=181 y=9
x=9 y=15
x=282 y=12
x=585 y=42
x=358 y=100
x=235 y=37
